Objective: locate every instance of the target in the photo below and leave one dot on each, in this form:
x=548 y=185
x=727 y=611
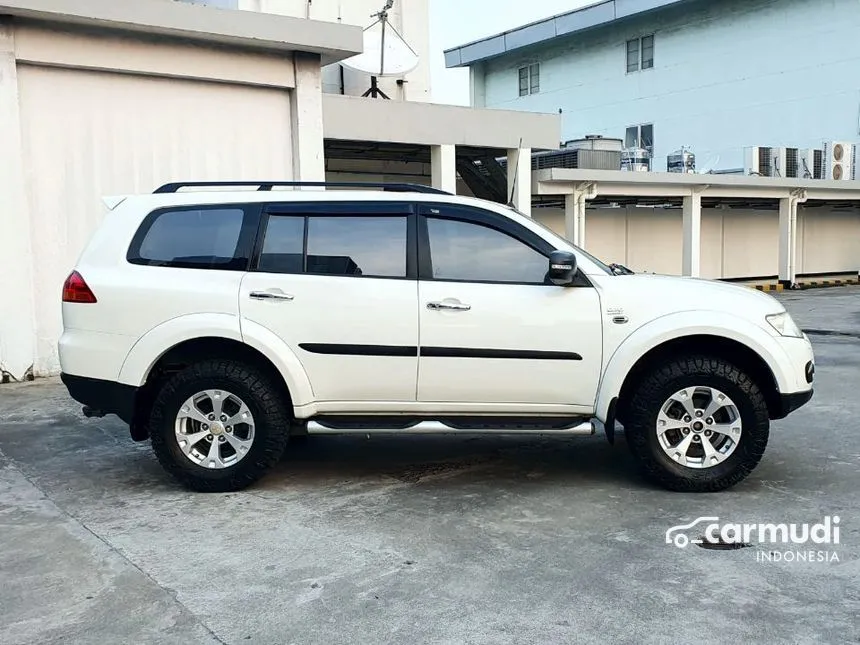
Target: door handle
x=270 y=295
x=450 y=306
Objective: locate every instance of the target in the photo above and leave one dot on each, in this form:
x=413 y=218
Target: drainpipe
x=788 y=237
x=574 y=217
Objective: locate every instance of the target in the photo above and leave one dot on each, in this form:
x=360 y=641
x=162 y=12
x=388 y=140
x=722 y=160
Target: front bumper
x=788 y=403
x=102 y=397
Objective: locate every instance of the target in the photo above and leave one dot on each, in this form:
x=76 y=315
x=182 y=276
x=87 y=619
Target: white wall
x=409 y=17
x=736 y=243
x=66 y=104
x=727 y=74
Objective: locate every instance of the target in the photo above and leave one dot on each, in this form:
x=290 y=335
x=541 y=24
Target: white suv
x=221 y=323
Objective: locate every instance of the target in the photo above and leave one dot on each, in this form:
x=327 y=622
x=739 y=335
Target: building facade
x=100 y=98
x=409 y=17
x=717 y=76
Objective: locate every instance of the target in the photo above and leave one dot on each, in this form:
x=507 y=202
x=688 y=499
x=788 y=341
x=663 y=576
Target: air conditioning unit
x=840 y=160
x=764 y=161
x=792 y=162
x=810 y=164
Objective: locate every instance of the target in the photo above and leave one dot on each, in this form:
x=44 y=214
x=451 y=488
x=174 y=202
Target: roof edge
x=331 y=41
x=596 y=15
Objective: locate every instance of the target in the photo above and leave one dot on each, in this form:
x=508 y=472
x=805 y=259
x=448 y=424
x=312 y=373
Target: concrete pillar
x=17 y=324
x=307 y=119
x=692 y=249
x=443 y=167
x=787 y=240
x=520 y=179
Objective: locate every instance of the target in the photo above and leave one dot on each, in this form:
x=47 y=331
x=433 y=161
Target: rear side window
x=201 y=238
x=353 y=245
x=283 y=245
x=369 y=246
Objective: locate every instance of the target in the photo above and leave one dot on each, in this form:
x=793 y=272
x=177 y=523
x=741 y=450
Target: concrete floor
x=424 y=539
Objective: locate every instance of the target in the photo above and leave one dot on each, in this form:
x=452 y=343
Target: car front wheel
x=697 y=424
x=219 y=425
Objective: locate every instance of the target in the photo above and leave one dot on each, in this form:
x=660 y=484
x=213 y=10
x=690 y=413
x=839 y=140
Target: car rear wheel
x=219 y=425
x=697 y=424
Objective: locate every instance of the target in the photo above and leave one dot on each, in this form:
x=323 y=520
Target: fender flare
x=160 y=339
x=682 y=324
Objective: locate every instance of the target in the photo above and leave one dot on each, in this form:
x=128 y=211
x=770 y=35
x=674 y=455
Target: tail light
x=76 y=289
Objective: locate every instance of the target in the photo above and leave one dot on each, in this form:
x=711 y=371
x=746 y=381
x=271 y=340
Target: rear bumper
x=788 y=403
x=108 y=397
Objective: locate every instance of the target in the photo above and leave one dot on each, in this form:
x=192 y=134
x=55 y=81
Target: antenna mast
x=381 y=17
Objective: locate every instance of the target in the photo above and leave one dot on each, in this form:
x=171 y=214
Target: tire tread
x=275 y=423
x=648 y=395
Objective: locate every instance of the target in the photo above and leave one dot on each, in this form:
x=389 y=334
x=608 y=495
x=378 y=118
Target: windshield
x=604 y=267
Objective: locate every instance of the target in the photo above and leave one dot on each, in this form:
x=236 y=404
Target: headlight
x=784 y=325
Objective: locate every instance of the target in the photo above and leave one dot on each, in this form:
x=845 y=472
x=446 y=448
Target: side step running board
x=585 y=428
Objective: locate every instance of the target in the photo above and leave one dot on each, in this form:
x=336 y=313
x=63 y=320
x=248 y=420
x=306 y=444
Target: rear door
x=493 y=329
x=333 y=280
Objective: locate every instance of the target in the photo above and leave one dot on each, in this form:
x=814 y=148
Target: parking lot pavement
x=435 y=539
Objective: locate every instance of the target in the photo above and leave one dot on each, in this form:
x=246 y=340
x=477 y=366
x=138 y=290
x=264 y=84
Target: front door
x=493 y=330
x=331 y=280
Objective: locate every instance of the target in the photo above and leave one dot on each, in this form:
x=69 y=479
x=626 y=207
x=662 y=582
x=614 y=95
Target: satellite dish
x=710 y=164
x=396 y=60
x=386 y=53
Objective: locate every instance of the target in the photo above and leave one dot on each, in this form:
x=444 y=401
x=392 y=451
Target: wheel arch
x=729 y=349
x=192 y=350
x=724 y=334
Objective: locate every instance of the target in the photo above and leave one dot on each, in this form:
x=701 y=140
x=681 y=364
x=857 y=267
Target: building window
x=640 y=136
x=529 y=79
x=640 y=53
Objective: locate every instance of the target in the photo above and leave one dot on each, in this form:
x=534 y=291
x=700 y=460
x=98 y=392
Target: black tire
x=268 y=403
x=640 y=427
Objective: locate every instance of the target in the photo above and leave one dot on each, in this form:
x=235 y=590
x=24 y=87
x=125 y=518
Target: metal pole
x=382 y=48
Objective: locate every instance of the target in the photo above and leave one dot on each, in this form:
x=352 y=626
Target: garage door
x=89 y=134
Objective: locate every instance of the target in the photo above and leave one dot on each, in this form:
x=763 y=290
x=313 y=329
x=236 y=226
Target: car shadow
x=411 y=459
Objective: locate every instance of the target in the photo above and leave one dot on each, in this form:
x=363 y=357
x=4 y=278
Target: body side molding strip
x=344 y=349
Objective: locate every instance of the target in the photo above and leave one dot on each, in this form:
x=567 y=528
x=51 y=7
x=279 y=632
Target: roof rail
x=268 y=185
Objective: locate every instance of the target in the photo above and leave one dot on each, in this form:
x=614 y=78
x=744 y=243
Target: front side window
x=204 y=238
x=347 y=246
x=470 y=252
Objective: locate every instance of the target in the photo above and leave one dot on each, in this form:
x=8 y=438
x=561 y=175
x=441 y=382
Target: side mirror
x=562 y=268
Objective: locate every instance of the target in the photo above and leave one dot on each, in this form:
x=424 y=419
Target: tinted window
x=465 y=251
x=369 y=246
x=283 y=245
x=199 y=238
